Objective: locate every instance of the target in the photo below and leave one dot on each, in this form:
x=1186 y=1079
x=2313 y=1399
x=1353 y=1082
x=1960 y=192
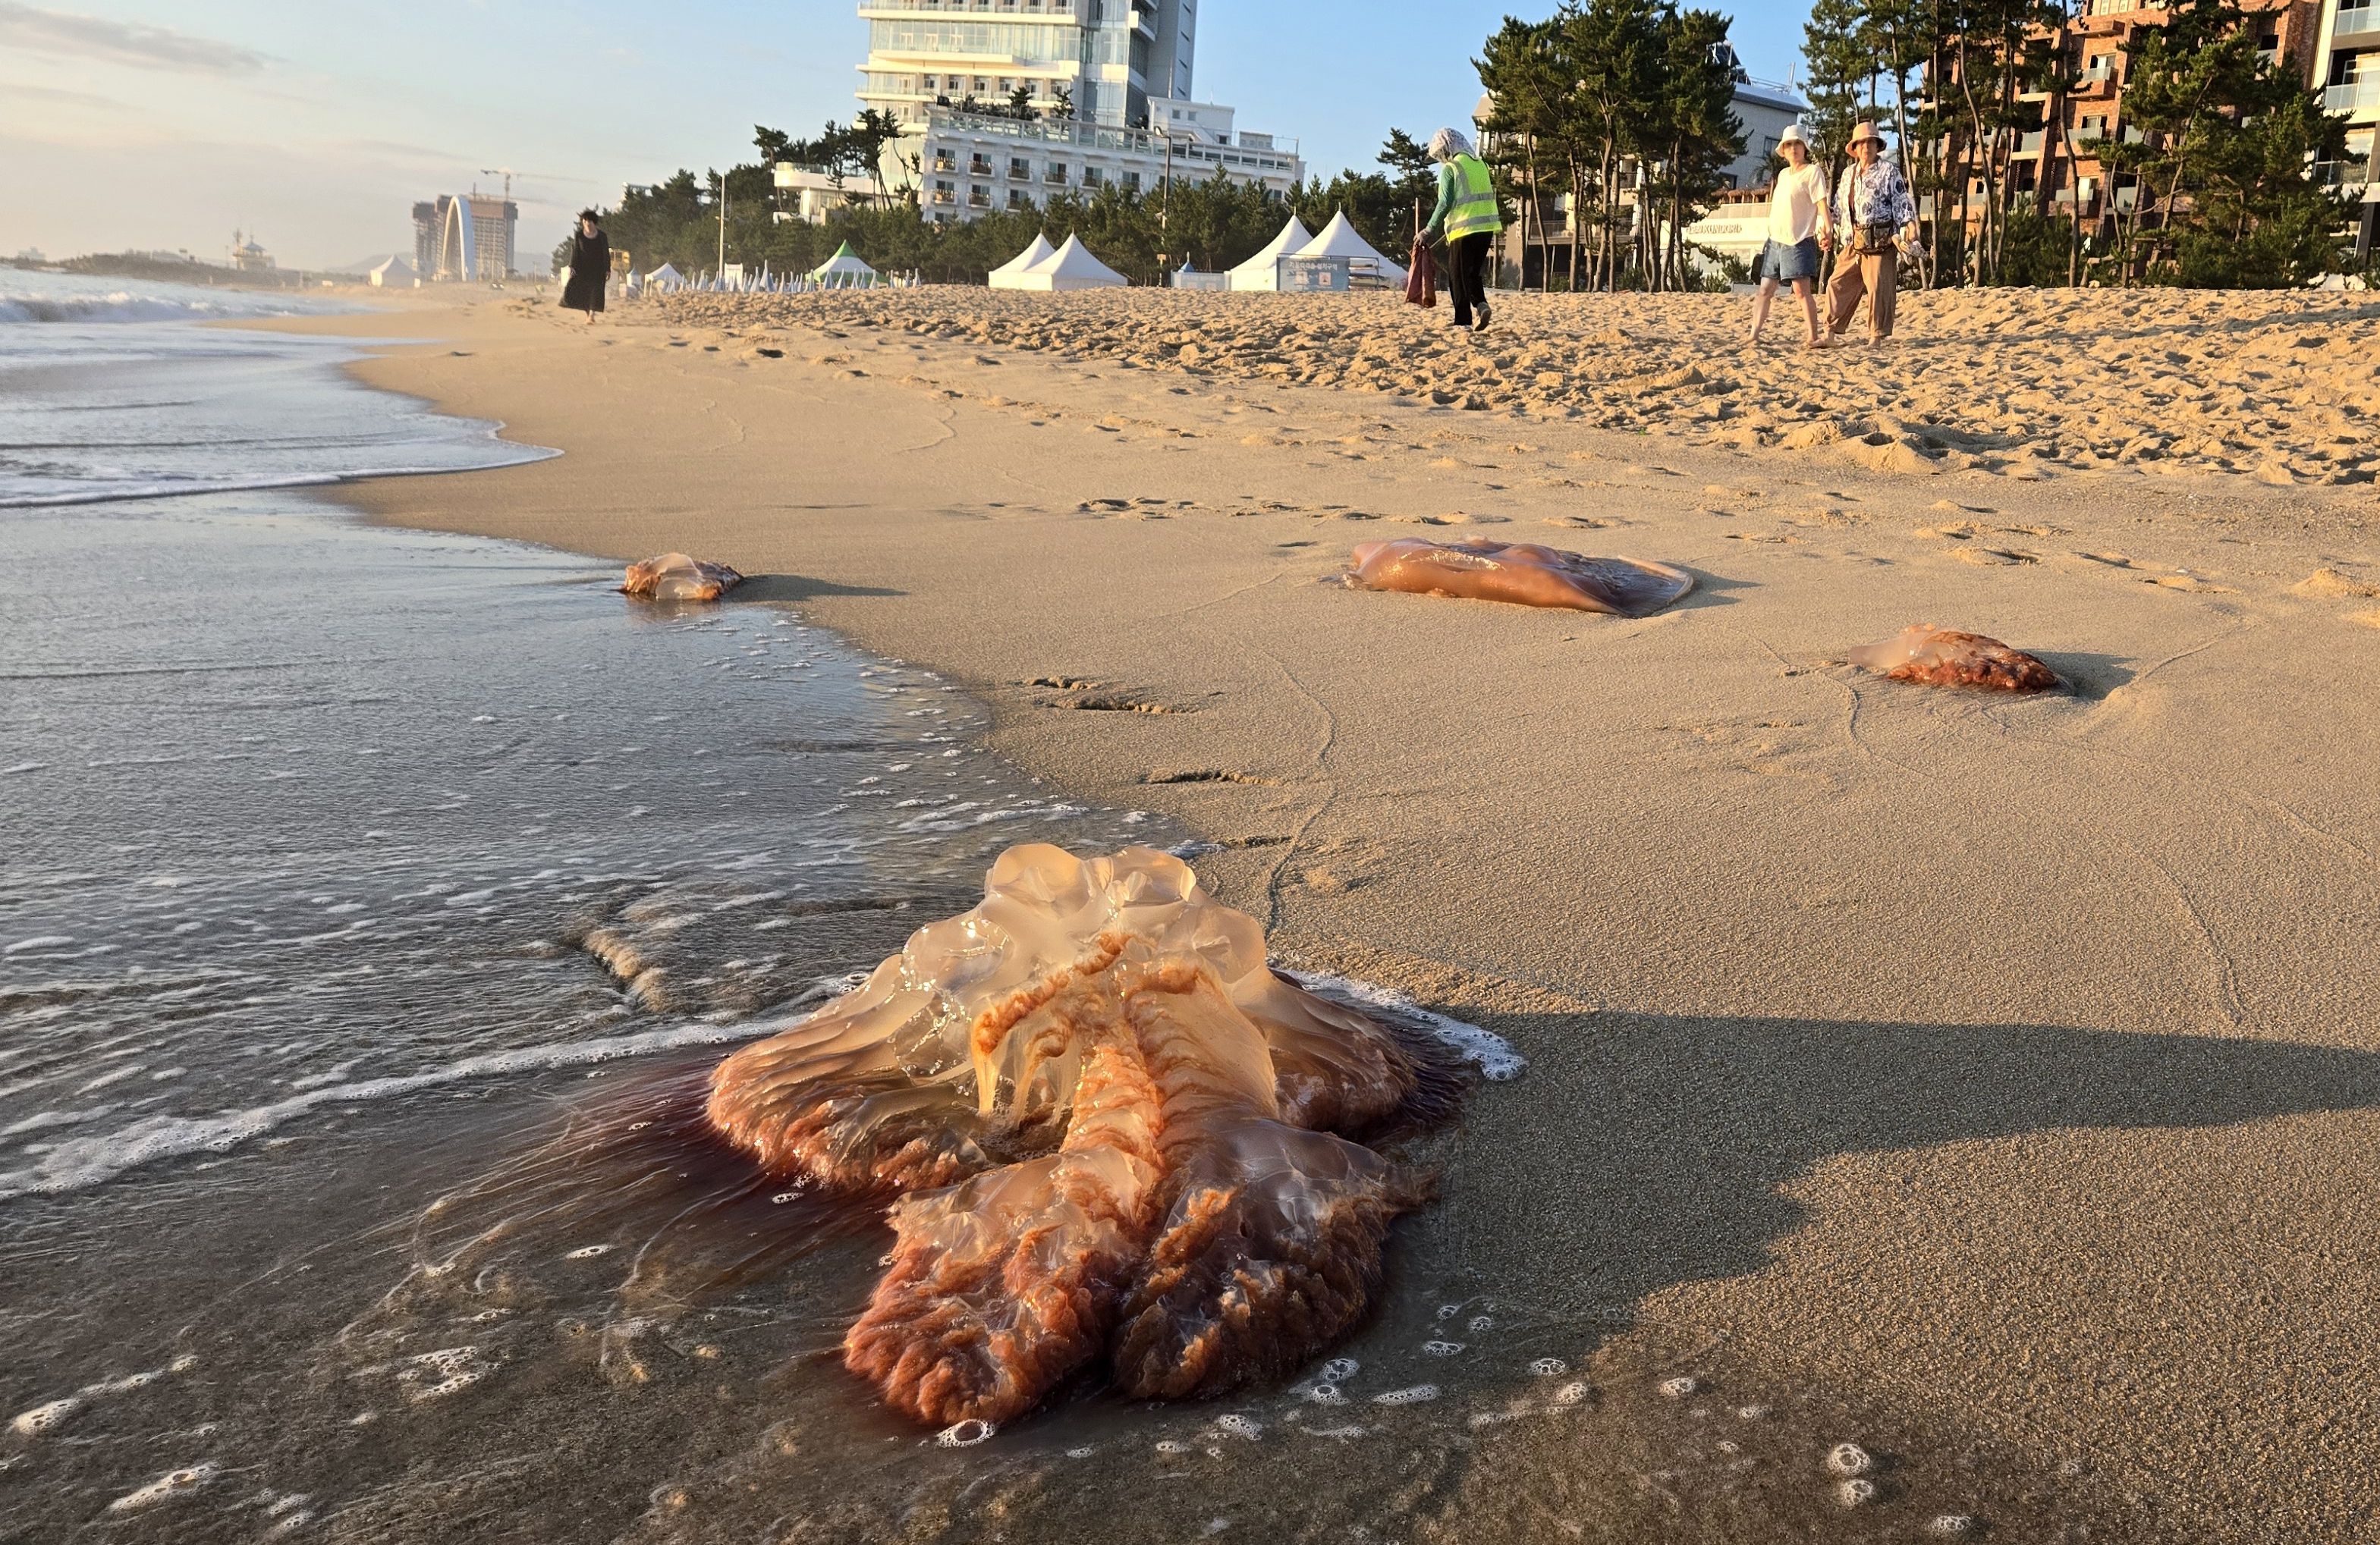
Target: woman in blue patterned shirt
x=1874 y=218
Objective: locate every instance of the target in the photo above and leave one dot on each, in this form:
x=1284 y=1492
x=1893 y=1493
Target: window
x=1132 y=180
x=1093 y=176
x=1019 y=169
x=946 y=161
x=979 y=165
x=1019 y=200
x=1056 y=174
x=980 y=197
x=943 y=192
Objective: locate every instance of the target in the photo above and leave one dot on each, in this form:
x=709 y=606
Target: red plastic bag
x=1421 y=276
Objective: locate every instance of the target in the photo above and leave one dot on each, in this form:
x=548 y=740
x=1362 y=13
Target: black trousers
x=1467 y=265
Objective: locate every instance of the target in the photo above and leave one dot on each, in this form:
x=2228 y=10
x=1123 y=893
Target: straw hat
x=1864 y=131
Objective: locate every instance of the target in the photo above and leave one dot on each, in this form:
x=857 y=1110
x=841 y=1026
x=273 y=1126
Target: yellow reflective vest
x=1475 y=200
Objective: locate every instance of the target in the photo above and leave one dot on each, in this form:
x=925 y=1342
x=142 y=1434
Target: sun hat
x=1866 y=131
x=1792 y=136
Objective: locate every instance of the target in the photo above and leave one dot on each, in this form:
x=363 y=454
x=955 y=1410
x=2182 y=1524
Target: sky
x=166 y=124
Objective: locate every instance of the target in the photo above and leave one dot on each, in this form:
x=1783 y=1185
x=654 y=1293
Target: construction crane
x=504 y=172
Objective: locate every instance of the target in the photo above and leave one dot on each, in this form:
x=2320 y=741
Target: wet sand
x=1998 y=1075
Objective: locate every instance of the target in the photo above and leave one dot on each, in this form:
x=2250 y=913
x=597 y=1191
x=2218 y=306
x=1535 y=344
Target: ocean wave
x=109 y=493
x=86 y=303
x=80 y=1164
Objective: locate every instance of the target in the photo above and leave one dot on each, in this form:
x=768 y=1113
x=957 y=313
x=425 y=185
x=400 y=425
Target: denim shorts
x=1786 y=263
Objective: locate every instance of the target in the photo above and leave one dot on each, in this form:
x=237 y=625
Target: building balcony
x=2356 y=28
x=978 y=197
x=994 y=8
x=2353 y=96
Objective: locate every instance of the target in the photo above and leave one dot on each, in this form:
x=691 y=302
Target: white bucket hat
x=1792 y=136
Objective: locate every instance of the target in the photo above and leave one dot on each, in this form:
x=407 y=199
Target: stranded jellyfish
x=1113 y=1131
x=675 y=578
x=1521 y=572
x=1946 y=658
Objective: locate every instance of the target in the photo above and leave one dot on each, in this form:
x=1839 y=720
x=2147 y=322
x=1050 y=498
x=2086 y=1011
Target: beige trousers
x=1876 y=275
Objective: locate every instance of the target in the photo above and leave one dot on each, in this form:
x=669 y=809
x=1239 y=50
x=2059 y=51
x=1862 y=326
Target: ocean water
x=373 y=904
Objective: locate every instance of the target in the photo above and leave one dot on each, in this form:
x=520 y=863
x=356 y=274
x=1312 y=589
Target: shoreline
x=1848 y=1006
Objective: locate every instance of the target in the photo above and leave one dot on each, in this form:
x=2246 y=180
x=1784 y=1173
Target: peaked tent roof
x=1073 y=267
x=1261 y=268
x=1027 y=258
x=1341 y=239
x=666 y=274
x=843 y=261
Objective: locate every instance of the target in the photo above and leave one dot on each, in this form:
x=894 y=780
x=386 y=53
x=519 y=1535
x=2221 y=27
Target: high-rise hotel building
x=1124 y=65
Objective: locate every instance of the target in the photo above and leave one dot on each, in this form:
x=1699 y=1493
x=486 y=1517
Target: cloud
x=90 y=37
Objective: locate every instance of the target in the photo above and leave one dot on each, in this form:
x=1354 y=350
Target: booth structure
x=1070 y=267
x=1004 y=276
x=1188 y=277
x=845 y=270
x=1339 y=242
x=1263 y=271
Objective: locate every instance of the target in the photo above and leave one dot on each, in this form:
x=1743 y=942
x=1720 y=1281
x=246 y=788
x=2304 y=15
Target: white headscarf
x=1448 y=143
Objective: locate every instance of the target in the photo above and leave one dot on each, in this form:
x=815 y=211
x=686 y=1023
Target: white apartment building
x=1124 y=65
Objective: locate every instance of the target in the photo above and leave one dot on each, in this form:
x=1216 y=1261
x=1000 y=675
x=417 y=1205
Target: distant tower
x=466 y=237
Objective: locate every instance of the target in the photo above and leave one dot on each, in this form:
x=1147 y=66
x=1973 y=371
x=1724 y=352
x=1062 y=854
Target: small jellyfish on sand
x=1946 y=658
x=1115 y=1132
x=675 y=578
x=1521 y=572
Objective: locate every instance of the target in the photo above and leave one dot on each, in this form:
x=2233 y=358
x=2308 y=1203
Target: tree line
x=2216 y=138
x=1620 y=110
x=1211 y=224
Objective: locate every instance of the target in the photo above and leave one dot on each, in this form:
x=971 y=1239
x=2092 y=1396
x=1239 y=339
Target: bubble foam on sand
x=51 y=1415
x=173 y=1483
x=1495 y=1057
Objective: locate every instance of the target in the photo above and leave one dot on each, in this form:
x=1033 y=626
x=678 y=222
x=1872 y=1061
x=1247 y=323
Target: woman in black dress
x=590 y=267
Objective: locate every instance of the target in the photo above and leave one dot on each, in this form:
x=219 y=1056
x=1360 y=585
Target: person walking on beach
x=1875 y=216
x=1467 y=212
x=1798 y=221
x=590 y=267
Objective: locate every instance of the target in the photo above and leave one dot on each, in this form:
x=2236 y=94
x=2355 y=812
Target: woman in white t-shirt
x=1797 y=222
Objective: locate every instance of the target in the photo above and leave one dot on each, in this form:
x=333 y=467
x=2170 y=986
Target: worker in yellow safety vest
x=1467 y=212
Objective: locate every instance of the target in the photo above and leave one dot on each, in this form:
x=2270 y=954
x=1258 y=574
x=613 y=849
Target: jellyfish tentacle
x=1004 y=1284
x=1269 y=1254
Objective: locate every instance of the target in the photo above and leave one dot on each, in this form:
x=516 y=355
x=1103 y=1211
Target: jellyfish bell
x=1520 y=572
x=1948 y=658
x=674 y=576
x=1113 y=1131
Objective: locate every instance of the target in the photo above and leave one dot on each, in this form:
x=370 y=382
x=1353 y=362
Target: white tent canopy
x=666 y=277
x=1340 y=239
x=1263 y=271
x=1071 y=267
x=844 y=268
x=397 y=273
x=1005 y=277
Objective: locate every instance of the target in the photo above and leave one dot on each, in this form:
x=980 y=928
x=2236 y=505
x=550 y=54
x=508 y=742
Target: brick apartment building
x=2331 y=43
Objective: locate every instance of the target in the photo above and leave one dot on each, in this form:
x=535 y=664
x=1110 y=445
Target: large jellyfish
x=674 y=576
x=1521 y=572
x=1115 y=1131
x=1946 y=658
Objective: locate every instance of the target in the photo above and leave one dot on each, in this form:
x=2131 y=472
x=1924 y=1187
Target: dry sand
x=2006 y=1067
